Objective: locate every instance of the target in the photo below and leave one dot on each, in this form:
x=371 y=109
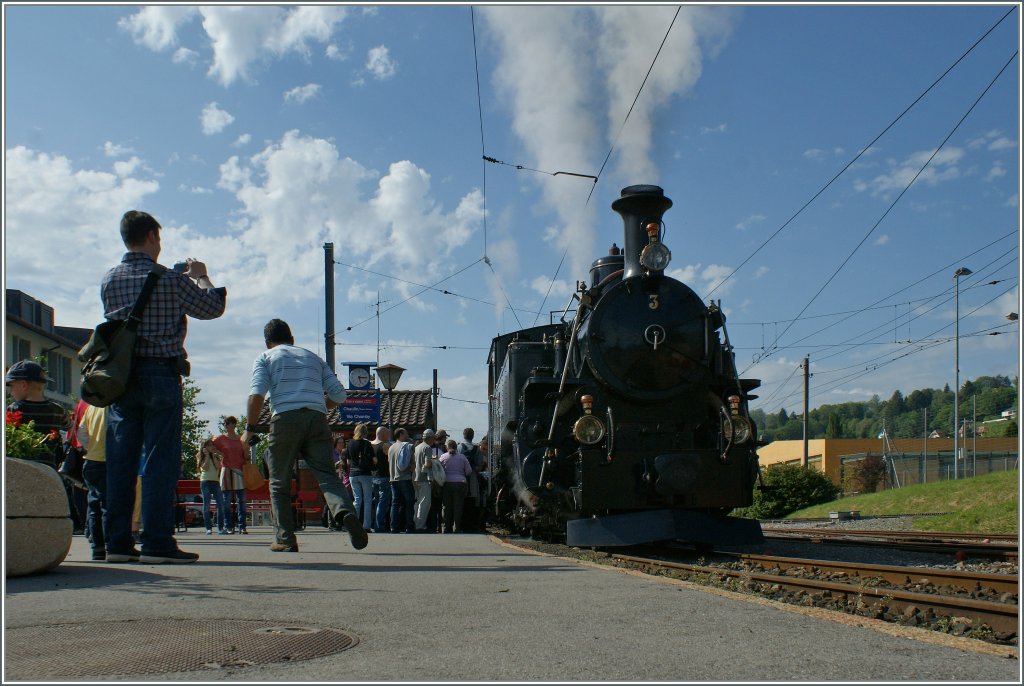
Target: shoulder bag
x=109 y=353
x=252 y=477
x=437 y=472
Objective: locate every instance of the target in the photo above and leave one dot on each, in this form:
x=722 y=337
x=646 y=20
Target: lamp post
x=389 y=374
x=962 y=271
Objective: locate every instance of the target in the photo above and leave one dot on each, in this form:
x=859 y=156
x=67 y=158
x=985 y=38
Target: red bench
x=303 y=502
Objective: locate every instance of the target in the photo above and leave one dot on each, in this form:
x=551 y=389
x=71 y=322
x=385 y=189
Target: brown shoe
x=292 y=547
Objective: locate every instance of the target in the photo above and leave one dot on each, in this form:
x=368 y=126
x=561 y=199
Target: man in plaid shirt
x=144 y=425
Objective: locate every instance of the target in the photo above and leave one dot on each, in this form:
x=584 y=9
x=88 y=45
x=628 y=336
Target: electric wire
x=894 y=202
x=859 y=154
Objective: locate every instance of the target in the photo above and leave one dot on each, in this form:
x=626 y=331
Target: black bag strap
x=147 y=290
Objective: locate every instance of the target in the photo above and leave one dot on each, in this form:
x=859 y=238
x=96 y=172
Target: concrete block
x=33 y=490
x=36 y=544
x=37 y=529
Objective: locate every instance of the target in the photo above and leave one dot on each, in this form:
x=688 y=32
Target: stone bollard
x=38 y=525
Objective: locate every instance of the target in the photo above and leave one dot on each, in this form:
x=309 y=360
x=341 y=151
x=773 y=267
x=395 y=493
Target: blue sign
x=359 y=409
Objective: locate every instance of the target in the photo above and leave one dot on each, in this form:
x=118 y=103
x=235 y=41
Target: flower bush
x=22 y=439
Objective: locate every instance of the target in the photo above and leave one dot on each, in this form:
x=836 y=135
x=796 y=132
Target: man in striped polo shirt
x=296 y=382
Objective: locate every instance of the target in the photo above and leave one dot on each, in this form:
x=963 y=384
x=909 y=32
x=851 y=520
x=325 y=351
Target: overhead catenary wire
x=894 y=202
x=859 y=154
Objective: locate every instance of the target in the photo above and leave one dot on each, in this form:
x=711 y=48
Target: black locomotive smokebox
x=677 y=473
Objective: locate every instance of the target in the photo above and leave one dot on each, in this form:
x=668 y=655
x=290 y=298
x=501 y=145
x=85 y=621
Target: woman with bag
x=210 y=459
x=232 y=481
x=359 y=454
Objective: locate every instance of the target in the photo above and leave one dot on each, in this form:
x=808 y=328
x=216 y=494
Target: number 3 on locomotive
x=653 y=304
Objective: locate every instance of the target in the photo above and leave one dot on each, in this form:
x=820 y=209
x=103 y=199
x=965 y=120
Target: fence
x=907 y=469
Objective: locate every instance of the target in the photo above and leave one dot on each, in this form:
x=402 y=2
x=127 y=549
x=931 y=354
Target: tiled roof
x=413 y=410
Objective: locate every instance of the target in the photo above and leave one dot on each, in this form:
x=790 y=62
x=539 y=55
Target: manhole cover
x=163 y=645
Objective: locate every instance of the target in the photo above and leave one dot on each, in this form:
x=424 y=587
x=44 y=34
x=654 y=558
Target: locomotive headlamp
x=741 y=429
x=655 y=256
x=588 y=429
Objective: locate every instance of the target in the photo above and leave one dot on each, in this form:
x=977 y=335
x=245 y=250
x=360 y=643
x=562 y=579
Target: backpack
x=404 y=458
x=110 y=351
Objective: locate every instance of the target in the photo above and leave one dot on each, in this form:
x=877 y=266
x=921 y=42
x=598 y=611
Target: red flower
x=14 y=418
x=54 y=435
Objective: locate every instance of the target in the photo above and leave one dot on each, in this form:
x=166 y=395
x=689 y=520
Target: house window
x=20 y=349
x=58 y=368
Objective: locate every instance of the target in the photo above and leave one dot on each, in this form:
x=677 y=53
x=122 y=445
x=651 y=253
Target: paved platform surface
x=468 y=608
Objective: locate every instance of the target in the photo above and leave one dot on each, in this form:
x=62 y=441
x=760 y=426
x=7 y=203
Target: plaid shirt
x=163 y=327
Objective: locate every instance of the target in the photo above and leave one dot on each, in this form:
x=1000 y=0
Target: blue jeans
x=381 y=502
x=306 y=432
x=362 y=490
x=212 y=493
x=233 y=516
x=403 y=500
x=144 y=437
x=95 y=476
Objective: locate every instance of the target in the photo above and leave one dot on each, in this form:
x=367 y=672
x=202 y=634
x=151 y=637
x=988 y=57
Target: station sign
x=359 y=409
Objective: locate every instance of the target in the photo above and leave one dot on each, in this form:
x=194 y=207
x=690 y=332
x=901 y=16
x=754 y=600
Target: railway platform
x=430 y=607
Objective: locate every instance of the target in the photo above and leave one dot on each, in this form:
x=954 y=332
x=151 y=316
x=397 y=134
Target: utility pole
x=807 y=377
x=329 y=303
x=924 y=477
x=436 y=393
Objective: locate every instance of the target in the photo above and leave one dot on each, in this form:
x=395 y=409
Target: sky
x=256 y=134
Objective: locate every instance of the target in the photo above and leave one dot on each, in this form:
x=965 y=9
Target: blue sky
x=255 y=134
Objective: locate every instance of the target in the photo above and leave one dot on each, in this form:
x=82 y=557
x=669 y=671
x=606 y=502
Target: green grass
x=984 y=504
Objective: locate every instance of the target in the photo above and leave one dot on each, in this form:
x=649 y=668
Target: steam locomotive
x=627 y=423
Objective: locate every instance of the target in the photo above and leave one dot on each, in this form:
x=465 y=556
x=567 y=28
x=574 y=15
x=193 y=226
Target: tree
x=193 y=429
x=834 y=430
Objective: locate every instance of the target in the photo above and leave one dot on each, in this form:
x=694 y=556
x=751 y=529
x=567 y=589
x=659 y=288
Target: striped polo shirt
x=295 y=378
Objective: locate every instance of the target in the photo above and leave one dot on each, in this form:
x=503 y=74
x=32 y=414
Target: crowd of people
x=394 y=486
x=132 y=448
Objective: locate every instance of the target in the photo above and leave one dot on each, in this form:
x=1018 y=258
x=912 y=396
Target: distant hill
x=903 y=416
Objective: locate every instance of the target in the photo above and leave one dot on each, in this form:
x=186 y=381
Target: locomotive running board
x=661 y=525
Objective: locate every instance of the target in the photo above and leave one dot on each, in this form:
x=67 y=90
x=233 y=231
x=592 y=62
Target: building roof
x=413 y=410
x=55 y=336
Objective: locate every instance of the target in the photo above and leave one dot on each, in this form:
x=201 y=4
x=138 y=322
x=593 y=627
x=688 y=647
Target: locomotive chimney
x=639 y=206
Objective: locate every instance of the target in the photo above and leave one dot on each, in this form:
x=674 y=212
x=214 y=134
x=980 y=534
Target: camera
x=181 y=267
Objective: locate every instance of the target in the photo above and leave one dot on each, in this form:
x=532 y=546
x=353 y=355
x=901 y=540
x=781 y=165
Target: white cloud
x=745 y=224
x=185 y=56
x=47 y=200
x=704 y=279
x=238 y=36
x=1002 y=143
x=721 y=128
x=761 y=271
x=127 y=167
x=214 y=119
x=814 y=153
x=996 y=171
x=882 y=240
x=116 y=150
x=242 y=140
x=156 y=26
x=1013 y=200
x=198 y=190
x=301 y=94
x=379 y=63
x=301 y=191
x=333 y=52
x=942 y=168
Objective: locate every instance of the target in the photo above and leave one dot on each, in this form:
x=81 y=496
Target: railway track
x=908 y=595
x=996 y=546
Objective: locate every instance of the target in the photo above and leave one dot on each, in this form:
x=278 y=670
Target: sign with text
x=358 y=409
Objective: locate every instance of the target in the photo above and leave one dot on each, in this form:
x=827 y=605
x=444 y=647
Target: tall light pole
x=962 y=271
x=389 y=374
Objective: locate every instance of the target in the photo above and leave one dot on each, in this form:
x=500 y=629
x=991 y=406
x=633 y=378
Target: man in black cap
x=26 y=381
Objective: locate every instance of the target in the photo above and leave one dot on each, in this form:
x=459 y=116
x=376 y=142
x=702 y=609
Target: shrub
x=789 y=488
x=864 y=476
x=23 y=441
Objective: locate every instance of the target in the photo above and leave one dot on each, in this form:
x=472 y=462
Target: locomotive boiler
x=626 y=423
